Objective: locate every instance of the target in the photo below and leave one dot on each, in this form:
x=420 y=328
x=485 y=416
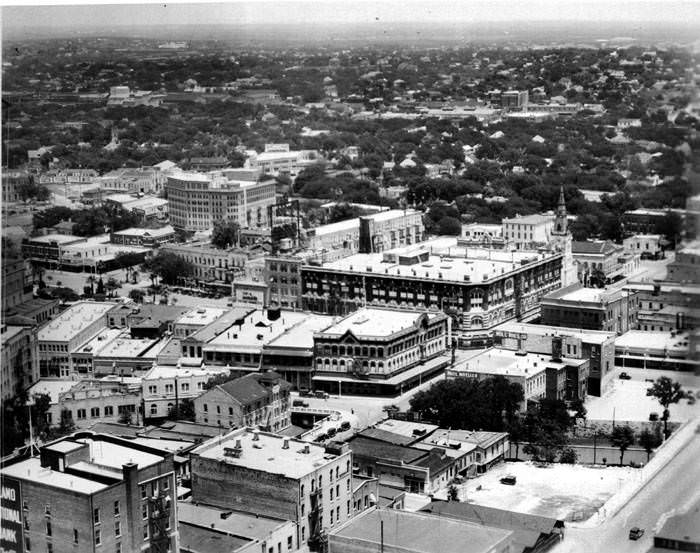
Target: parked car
x=509 y=480
x=305 y=392
x=321 y=395
x=391 y=407
x=636 y=533
x=299 y=403
x=345 y=426
x=625 y=376
x=331 y=432
x=653 y=417
x=321 y=438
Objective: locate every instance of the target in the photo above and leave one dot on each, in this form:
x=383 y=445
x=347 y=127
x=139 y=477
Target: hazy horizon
x=84 y=16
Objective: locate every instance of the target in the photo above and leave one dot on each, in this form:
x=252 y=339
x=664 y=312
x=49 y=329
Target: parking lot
x=568 y=492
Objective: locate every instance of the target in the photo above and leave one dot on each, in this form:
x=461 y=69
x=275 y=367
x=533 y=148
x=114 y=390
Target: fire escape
x=158 y=522
x=318 y=541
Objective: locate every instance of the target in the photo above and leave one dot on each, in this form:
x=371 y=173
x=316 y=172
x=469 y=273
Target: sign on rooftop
x=276 y=148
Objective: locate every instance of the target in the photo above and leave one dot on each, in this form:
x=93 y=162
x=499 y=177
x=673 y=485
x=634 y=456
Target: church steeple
x=561 y=221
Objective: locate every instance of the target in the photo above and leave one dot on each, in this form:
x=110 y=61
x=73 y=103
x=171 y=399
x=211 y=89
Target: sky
x=86 y=14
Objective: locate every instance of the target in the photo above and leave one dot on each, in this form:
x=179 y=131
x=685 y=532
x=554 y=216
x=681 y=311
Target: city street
x=672 y=488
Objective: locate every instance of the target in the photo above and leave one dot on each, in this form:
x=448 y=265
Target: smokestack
x=285 y=443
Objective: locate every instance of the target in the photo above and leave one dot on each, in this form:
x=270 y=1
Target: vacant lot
x=569 y=492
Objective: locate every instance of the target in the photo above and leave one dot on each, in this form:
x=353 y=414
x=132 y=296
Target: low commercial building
x=407 y=532
x=165 y=386
x=147 y=208
x=49 y=247
x=213 y=267
x=483 y=449
x=195 y=319
x=531 y=533
x=613 y=310
x=480 y=288
x=655 y=350
x=131 y=180
x=380 y=351
x=205 y=529
x=598 y=347
x=260 y=400
x=540 y=376
x=647 y=246
x=482 y=234
x=143 y=237
x=278 y=477
x=599 y=261
x=91 y=492
x=59 y=337
x=20 y=360
x=127 y=356
x=679 y=532
x=150 y=320
x=278 y=159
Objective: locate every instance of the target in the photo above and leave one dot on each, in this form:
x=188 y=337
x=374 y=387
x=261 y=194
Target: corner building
x=275 y=476
x=90 y=493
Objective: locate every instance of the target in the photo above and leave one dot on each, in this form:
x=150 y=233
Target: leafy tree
x=184 y=410
x=100 y=287
x=137 y=295
x=64 y=294
x=29 y=190
x=568 y=455
x=579 y=408
x=225 y=234
x=111 y=286
x=622 y=437
x=449 y=226
x=124 y=417
x=217 y=380
x=650 y=440
x=169 y=267
x=343 y=211
x=666 y=391
x=453 y=493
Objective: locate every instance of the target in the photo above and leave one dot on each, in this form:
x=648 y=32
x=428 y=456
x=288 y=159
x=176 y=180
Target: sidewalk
x=662 y=457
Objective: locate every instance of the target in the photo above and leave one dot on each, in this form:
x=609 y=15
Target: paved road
x=673 y=487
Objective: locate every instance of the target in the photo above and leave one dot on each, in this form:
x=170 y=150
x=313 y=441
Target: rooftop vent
x=306 y=449
x=285 y=443
x=256 y=436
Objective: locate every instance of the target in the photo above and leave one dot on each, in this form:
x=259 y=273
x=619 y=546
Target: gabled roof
x=386 y=436
x=248 y=389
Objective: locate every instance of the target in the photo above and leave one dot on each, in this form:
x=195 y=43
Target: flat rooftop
x=498 y=361
x=643 y=340
x=368 y=322
x=58 y=238
x=266 y=454
x=590 y=336
x=301 y=335
x=73 y=320
x=200 y=316
x=169 y=371
x=420 y=533
x=123 y=346
x=255 y=331
x=111 y=455
x=32 y=470
x=440 y=259
x=586 y=295
x=237 y=523
x=406 y=428
x=683 y=526
x=101 y=340
x=196 y=539
x=134 y=231
x=52 y=387
x=536 y=219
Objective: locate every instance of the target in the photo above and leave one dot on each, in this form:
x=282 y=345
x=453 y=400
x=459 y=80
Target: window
x=98 y=536
x=96 y=515
x=27 y=544
x=47 y=509
x=348 y=507
x=218 y=409
x=144 y=511
x=337 y=513
x=109 y=411
x=166 y=483
x=49 y=547
x=152 y=389
x=169 y=389
x=337 y=490
x=49 y=530
x=289 y=543
x=154 y=409
x=94 y=412
x=81 y=414
x=230 y=410
x=143 y=491
x=331 y=494
x=303 y=533
x=116 y=508
x=145 y=532
x=185 y=387
x=206 y=408
x=331 y=517
x=118 y=547
x=118 y=528
x=75 y=535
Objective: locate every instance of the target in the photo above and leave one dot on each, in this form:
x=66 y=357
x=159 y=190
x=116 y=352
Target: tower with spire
x=562 y=241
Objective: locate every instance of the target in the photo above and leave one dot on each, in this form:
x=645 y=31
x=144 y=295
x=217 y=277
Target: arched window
x=154 y=409
x=477 y=322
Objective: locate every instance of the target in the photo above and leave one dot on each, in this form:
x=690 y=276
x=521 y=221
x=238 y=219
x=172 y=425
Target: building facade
x=20 y=367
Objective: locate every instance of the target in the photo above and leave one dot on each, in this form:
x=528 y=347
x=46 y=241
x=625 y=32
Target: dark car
x=653 y=417
x=625 y=376
x=299 y=403
x=321 y=395
x=331 y=432
x=345 y=426
x=305 y=392
x=390 y=408
x=636 y=533
x=509 y=480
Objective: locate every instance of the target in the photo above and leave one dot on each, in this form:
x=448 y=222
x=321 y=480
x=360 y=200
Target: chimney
x=285 y=443
x=256 y=436
x=306 y=449
x=130 y=473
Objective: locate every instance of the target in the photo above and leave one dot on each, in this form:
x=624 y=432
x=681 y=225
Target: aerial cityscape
x=315 y=276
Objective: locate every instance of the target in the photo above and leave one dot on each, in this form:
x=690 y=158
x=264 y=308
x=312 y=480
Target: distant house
x=259 y=399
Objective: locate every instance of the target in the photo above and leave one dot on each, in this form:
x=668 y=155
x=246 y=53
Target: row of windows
x=81 y=413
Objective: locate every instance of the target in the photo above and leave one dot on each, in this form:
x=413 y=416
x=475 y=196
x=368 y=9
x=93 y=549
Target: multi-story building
x=481 y=234
x=198 y=200
x=195 y=319
x=164 y=386
x=61 y=336
x=19 y=360
x=602 y=260
x=574 y=306
x=278 y=477
x=528 y=232
x=686 y=266
x=541 y=376
x=260 y=400
x=92 y=401
x=679 y=531
x=131 y=180
x=147 y=208
x=380 y=351
x=670 y=351
x=278 y=159
x=666 y=306
x=368 y=234
x=480 y=288
x=515 y=99
x=647 y=246
x=17 y=286
x=49 y=247
x=91 y=492
x=283 y=273
x=211 y=265
x=598 y=347
x=11 y=182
